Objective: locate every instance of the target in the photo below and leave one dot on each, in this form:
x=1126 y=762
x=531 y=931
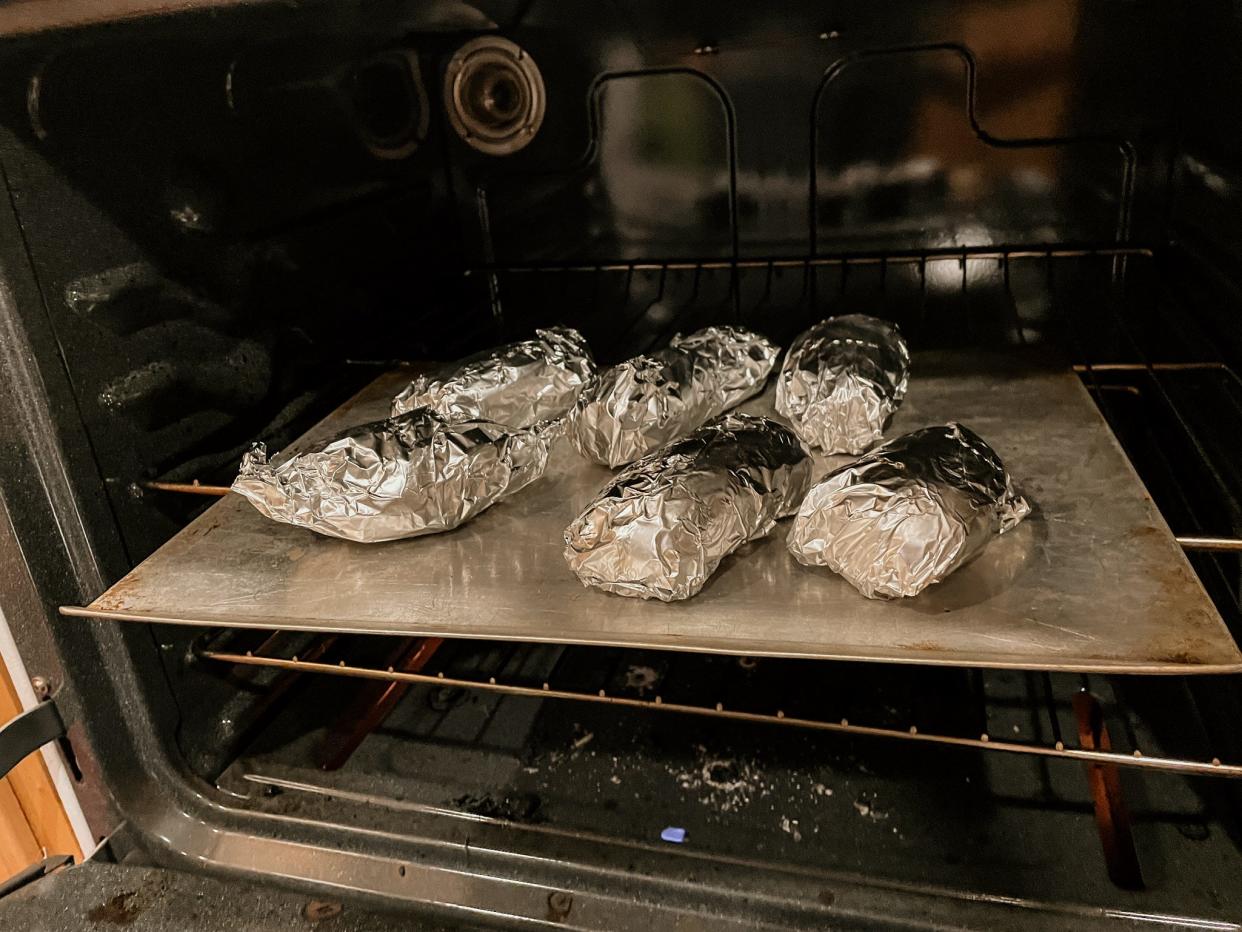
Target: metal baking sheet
x=1092 y=581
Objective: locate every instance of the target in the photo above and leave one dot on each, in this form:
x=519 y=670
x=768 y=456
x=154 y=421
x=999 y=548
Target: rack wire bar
x=188 y=488
x=496 y=684
x=1211 y=544
x=1082 y=368
x=906 y=257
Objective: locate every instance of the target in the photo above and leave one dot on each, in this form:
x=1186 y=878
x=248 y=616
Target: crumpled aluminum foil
x=909 y=513
x=643 y=403
x=519 y=385
x=417 y=473
x=660 y=528
x=842 y=380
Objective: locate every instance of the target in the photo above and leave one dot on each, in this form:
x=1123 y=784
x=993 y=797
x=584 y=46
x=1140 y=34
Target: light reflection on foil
x=909 y=513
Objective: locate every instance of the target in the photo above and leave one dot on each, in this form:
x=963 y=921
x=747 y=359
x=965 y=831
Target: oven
x=228 y=222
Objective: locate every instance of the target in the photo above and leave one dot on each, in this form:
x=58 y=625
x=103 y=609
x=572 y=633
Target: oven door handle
x=28 y=732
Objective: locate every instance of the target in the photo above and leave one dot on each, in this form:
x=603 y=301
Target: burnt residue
x=512 y=807
x=117 y=598
x=317 y=911
x=1179 y=658
x=121 y=910
x=1185 y=651
x=923 y=646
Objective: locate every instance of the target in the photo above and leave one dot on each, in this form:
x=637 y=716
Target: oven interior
x=222 y=223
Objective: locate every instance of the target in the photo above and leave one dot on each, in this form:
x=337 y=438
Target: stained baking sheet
x=1092 y=580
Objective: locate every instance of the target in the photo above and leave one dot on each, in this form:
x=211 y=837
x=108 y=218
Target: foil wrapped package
x=842 y=380
x=519 y=385
x=909 y=513
x=417 y=473
x=661 y=527
x=643 y=403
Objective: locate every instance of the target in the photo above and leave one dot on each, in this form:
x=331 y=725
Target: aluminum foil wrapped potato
x=909 y=513
x=417 y=473
x=643 y=403
x=520 y=385
x=842 y=380
x=660 y=528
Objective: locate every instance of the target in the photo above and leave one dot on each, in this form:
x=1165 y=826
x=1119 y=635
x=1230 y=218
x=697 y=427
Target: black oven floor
x=999 y=824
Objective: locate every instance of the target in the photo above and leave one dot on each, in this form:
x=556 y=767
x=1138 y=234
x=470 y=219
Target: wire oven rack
x=676 y=292
x=591 y=675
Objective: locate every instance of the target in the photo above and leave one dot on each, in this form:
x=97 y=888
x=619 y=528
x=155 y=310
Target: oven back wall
x=726 y=128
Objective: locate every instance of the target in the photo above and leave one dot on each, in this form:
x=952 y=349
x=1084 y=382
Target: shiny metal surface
x=518 y=385
x=1216 y=544
x=494 y=95
x=841 y=381
x=1033 y=600
x=661 y=527
x=643 y=403
x=909 y=513
x=413 y=474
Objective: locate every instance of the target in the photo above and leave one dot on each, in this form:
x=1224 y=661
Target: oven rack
x=648 y=299
x=890 y=257
x=510 y=673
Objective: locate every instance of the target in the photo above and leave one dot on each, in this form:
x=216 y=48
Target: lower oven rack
x=1059 y=692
